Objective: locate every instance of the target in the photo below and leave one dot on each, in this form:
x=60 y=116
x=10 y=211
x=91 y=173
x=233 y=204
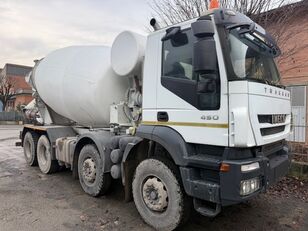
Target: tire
x=169 y=207
x=90 y=170
x=30 y=145
x=44 y=158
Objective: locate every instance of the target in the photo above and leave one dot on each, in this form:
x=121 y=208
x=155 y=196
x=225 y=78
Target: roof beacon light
x=214 y=4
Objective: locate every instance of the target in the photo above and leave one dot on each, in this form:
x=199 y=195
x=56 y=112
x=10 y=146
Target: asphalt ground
x=30 y=200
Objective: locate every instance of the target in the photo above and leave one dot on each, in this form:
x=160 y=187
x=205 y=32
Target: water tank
x=127 y=53
x=78 y=83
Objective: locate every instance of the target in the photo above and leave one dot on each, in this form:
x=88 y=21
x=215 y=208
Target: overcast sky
x=29 y=29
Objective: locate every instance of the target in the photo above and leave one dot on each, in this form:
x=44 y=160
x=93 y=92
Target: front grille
x=272 y=147
x=272 y=119
x=271 y=131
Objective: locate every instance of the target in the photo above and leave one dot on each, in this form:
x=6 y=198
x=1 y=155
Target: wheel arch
x=101 y=141
x=167 y=138
x=25 y=130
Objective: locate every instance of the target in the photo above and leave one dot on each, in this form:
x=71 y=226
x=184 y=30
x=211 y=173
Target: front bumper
x=272 y=168
x=225 y=190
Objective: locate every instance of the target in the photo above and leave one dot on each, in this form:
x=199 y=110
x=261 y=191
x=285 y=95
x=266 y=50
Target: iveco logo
x=276 y=92
x=277 y=119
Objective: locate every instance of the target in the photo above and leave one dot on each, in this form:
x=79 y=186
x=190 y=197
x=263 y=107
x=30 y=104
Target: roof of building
x=15 y=70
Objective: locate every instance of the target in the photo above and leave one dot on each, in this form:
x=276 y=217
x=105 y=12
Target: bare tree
x=169 y=12
x=6 y=90
x=273 y=15
x=282 y=23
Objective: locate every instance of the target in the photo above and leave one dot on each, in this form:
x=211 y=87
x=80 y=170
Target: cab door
x=194 y=103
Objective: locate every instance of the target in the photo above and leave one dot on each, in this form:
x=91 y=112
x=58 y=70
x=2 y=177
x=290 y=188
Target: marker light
x=250 y=167
x=214 y=4
x=224 y=167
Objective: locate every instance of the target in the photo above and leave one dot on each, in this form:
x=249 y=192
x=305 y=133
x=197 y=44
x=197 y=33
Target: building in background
x=21 y=91
x=289 y=24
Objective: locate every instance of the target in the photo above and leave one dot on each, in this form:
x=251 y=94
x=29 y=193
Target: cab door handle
x=162 y=116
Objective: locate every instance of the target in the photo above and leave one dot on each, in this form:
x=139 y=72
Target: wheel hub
x=155 y=194
x=89 y=170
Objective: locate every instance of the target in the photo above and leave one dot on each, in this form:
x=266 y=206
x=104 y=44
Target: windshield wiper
x=266 y=39
x=249 y=27
x=272 y=83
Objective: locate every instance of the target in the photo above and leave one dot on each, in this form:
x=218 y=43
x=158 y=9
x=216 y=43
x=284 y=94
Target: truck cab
x=212 y=83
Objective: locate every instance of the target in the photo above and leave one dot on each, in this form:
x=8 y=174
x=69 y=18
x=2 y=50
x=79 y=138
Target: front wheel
x=90 y=170
x=158 y=195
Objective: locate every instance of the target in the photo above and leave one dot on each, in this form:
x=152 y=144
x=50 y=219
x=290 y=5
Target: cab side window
x=202 y=90
x=177 y=56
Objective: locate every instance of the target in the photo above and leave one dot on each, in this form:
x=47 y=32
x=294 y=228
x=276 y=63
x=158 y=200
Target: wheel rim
x=28 y=149
x=89 y=170
x=155 y=194
x=44 y=155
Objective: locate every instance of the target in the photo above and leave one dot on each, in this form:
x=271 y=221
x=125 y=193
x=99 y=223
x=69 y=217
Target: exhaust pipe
x=154 y=24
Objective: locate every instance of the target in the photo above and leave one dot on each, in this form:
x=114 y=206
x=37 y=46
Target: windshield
x=252 y=58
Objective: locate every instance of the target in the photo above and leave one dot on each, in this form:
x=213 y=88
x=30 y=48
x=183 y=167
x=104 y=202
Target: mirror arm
x=170 y=32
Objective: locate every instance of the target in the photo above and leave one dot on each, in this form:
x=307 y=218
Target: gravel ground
x=30 y=200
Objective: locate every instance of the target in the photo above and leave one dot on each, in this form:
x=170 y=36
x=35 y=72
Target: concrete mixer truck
x=191 y=116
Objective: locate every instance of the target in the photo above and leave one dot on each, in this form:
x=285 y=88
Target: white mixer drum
x=127 y=53
x=78 y=83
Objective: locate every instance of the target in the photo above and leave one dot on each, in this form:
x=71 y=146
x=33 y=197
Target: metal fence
x=299 y=151
x=297 y=138
x=11 y=116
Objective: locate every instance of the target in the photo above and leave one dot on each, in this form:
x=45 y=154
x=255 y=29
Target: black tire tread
x=54 y=165
x=35 y=140
x=103 y=185
x=185 y=203
x=34 y=137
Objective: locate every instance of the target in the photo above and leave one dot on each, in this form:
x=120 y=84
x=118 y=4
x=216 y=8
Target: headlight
x=250 y=167
x=249 y=186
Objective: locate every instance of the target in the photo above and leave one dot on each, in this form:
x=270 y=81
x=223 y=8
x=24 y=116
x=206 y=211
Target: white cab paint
x=270 y=100
x=150 y=77
x=247 y=100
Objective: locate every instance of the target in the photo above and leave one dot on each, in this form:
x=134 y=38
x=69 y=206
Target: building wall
x=22 y=90
x=19 y=83
x=23 y=99
x=293 y=64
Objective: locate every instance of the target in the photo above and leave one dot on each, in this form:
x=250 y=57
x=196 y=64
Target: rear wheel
x=44 y=158
x=90 y=170
x=29 y=145
x=158 y=194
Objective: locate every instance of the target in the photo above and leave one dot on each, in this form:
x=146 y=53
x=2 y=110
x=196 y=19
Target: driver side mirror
x=207 y=83
x=205 y=57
